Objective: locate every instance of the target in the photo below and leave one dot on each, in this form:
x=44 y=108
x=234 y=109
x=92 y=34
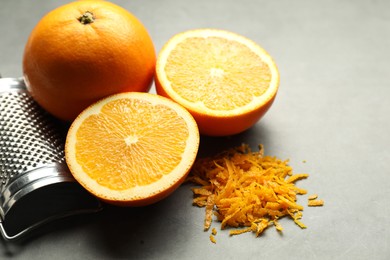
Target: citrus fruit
x=132 y=149
x=226 y=81
x=83 y=51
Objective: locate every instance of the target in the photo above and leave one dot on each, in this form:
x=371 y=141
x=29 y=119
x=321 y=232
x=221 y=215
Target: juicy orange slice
x=225 y=80
x=132 y=149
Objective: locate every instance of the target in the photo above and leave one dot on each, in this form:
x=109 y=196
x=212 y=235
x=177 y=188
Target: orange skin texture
x=211 y=125
x=68 y=65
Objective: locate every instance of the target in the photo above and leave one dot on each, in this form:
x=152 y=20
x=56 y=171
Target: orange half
x=226 y=81
x=132 y=149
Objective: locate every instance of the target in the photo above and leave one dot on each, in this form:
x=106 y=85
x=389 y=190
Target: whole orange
x=84 y=51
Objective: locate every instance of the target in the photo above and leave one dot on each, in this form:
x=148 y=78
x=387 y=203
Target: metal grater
x=35 y=183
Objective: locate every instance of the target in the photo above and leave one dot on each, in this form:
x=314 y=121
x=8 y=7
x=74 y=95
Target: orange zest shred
x=239 y=231
x=296 y=177
x=315 y=203
x=212 y=239
x=209 y=212
x=277 y=225
x=246 y=190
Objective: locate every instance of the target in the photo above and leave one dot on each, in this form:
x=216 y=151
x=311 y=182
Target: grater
x=35 y=184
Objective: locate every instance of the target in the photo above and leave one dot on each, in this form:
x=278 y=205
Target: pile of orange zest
x=246 y=190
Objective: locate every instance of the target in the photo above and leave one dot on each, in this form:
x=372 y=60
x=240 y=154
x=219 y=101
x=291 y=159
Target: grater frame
x=32 y=166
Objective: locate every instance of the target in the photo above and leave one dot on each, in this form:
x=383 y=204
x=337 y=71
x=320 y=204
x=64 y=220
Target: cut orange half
x=226 y=81
x=132 y=149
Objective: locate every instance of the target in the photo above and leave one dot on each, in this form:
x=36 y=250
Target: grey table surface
x=332 y=111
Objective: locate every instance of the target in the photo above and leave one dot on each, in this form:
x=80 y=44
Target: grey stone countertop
x=331 y=119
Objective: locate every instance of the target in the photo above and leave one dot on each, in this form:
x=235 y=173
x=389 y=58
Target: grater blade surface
x=35 y=183
x=29 y=136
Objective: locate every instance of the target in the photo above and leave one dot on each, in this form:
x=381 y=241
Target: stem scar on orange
x=132 y=149
x=225 y=80
x=84 y=51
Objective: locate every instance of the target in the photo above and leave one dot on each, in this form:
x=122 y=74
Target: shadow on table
x=258 y=134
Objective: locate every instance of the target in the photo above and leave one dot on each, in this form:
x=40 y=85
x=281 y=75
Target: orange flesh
x=227 y=76
x=130 y=142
